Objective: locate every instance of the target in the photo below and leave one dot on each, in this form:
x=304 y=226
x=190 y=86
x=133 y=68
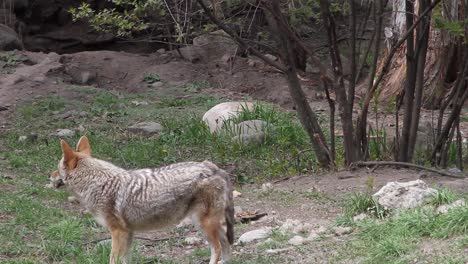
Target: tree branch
x=403 y=164
x=231 y=33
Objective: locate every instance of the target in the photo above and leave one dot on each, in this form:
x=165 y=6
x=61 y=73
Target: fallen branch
x=403 y=164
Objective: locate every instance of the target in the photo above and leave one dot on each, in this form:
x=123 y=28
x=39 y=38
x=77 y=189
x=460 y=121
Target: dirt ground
x=44 y=74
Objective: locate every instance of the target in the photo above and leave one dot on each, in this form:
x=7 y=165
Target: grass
x=39 y=225
x=34 y=226
x=394 y=239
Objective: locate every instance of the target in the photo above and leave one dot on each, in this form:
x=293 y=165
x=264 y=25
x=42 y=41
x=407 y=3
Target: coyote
x=126 y=201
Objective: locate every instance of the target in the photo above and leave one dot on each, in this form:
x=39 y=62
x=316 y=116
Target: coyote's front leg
x=121 y=243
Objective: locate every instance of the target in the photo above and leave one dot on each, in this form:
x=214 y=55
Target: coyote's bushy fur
x=126 y=201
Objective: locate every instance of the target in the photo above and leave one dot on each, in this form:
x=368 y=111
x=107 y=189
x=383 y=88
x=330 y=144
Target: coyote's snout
x=126 y=201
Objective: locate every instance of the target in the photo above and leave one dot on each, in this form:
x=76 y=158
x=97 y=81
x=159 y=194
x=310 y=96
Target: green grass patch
x=391 y=240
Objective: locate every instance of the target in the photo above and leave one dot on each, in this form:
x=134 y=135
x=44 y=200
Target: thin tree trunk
x=409 y=85
x=423 y=39
x=340 y=89
x=306 y=115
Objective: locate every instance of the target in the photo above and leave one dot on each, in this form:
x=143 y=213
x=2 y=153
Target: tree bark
x=288 y=55
x=422 y=36
x=409 y=85
x=344 y=99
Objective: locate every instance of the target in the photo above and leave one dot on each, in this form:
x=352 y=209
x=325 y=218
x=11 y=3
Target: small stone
x=81 y=128
x=278 y=250
x=147 y=128
x=161 y=51
x=360 y=217
x=296 y=240
x=313 y=236
x=22 y=138
x=185 y=222
x=342 y=230
x=237 y=210
x=443 y=209
x=255 y=235
x=236 y=194
x=83 y=114
x=157 y=84
x=72 y=199
x=192 y=240
x=49 y=186
x=64 y=133
x=266 y=187
x=271 y=57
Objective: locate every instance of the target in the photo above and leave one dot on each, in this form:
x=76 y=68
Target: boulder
x=218 y=114
x=9 y=40
x=398 y=195
x=210 y=47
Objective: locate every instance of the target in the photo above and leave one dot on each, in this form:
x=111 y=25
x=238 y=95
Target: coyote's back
x=126 y=201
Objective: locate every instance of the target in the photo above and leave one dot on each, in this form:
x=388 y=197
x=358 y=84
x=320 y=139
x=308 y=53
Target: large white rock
x=219 y=113
x=255 y=235
x=397 y=195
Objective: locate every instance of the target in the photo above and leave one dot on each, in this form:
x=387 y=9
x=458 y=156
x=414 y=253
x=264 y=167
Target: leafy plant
x=151 y=77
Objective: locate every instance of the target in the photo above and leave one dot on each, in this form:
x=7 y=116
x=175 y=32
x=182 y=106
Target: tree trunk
x=288 y=55
x=345 y=100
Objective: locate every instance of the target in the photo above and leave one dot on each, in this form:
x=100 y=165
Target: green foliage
x=455 y=28
x=358 y=203
x=391 y=240
x=121 y=23
x=301 y=12
x=151 y=77
x=444 y=196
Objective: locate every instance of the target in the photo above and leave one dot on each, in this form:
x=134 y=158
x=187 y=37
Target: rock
x=313 y=236
x=266 y=187
x=193 y=240
x=66 y=115
x=455 y=171
x=157 y=84
x=271 y=57
x=146 y=128
x=237 y=210
x=210 y=47
x=22 y=138
x=161 y=51
x=137 y=103
x=295 y=226
x=72 y=199
x=360 y=217
x=83 y=114
x=185 y=222
x=9 y=40
x=218 y=114
x=249 y=127
x=255 y=235
x=445 y=208
x=342 y=230
x=64 y=133
x=278 y=250
x=296 y=241
x=87 y=77
x=397 y=195
x=49 y=185
x=236 y=194
x=254 y=138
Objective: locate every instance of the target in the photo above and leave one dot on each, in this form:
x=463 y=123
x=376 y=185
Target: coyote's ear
x=83 y=146
x=69 y=157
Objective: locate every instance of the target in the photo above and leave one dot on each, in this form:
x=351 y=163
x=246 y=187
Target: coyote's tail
x=229 y=211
